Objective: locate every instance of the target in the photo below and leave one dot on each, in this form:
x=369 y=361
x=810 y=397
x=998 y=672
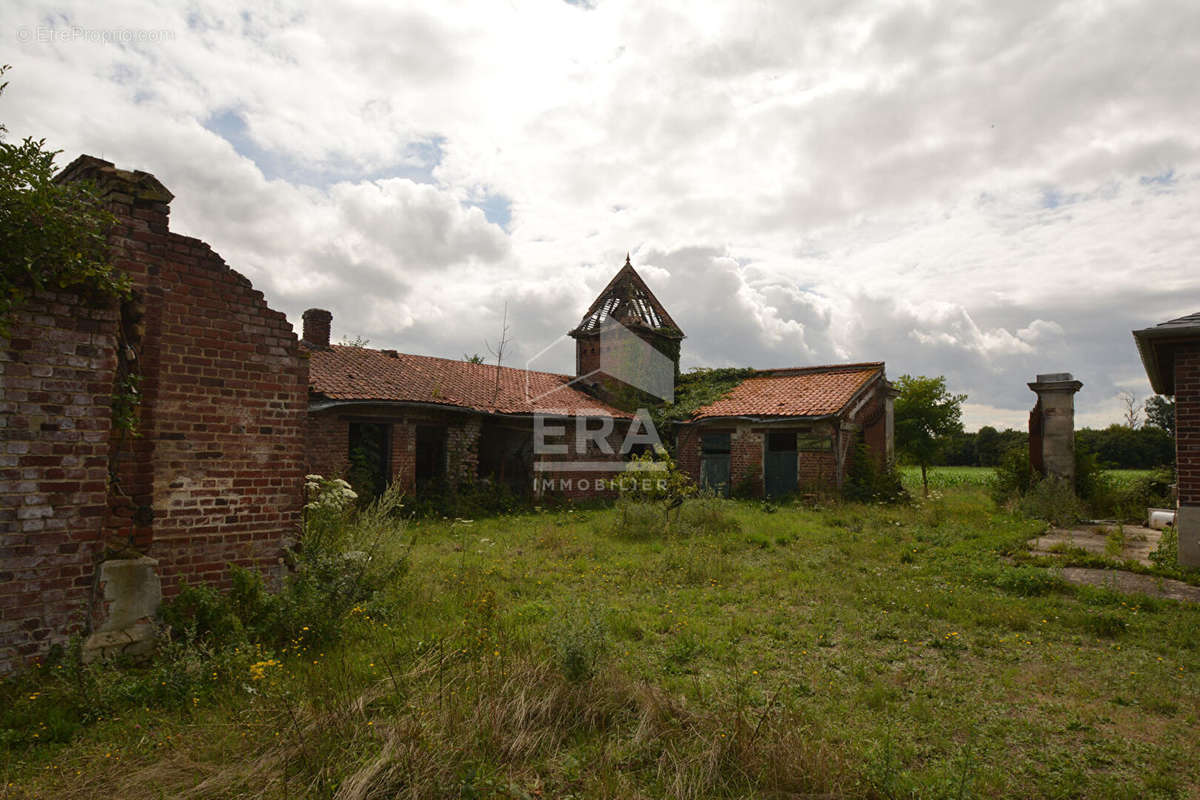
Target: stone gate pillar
x=1052 y=425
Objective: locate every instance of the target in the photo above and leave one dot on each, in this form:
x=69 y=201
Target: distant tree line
x=1116 y=447
x=928 y=428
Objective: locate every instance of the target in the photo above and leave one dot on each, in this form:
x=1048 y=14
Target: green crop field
x=947 y=477
x=747 y=651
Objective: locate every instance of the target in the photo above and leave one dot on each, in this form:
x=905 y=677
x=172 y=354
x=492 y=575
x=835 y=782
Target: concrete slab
x=1138 y=542
x=1133 y=583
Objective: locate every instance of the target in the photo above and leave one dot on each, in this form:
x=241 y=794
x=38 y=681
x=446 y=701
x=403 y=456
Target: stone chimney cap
x=1056 y=381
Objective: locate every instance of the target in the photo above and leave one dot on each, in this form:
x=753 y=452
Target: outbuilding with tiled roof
x=381 y=416
x=787 y=431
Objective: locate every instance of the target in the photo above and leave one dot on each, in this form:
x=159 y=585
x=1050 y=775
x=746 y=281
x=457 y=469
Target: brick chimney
x=316 y=327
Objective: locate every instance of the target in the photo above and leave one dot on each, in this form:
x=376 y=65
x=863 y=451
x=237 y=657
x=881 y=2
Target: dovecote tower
x=609 y=354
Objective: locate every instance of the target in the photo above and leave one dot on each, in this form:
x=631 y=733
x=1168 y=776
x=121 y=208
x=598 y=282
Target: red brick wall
x=1187 y=422
x=816 y=470
x=56 y=373
x=872 y=418
x=214 y=475
x=746 y=460
x=327 y=446
x=687 y=451
x=219 y=459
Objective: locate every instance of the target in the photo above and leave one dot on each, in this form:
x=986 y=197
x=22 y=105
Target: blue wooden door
x=779 y=464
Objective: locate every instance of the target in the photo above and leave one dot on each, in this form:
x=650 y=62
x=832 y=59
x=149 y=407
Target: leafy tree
x=987 y=445
x=926 y=413
x=52 y=235
x=1122 y=447
x=1160 y=413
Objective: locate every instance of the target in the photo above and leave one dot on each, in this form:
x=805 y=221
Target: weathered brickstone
x=214 y=475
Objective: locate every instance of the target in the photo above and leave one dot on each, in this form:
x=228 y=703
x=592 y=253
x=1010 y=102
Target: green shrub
x=336 y=568
x=867 y=481
x=1104 y=624
x=579 y=641
x=698 y=516
x=639 y=519
x=706 y=515
x=466 y=499
x=748 y=487
x=1166 y=554
x=201 y=613
x=1054 y=500
x=1014 y=476
x=1028 y=581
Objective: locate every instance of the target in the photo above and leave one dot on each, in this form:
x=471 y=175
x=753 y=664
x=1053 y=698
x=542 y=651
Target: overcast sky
x=983 y=190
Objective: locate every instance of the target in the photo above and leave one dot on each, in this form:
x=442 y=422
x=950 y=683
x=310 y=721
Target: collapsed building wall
x=212 y=474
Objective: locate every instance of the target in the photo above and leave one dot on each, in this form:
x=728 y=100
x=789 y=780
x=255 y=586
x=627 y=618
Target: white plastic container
x=1161 y=517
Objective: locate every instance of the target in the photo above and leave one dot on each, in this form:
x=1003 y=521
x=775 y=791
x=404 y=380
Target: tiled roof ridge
x=783 y=372
x=388 y=352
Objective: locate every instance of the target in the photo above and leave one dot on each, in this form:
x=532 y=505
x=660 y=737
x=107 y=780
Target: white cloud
x=984 y=193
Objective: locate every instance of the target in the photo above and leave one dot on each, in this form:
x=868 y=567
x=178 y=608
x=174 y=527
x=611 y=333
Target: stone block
x=131 y=592
x=136 y=641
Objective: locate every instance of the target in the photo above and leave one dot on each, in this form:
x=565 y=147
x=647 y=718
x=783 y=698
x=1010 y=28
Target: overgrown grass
x=850 y=651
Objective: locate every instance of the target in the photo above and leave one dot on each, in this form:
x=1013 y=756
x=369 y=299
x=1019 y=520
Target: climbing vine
x=697 y=388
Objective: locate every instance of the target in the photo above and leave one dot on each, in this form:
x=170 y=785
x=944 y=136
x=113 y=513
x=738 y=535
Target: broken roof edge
x=667 y=332
x=627 y=272
x=327 y=403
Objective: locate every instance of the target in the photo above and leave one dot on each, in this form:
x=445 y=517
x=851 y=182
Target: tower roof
x=628 y=300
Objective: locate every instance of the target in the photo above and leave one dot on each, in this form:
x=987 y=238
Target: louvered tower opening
x=626 y=300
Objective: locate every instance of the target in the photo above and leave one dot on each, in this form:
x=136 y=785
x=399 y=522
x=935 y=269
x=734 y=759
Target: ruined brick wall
x=56 y=374
x=746 y=461
x=1187 y=423
x=219 y=457
x=214 y=475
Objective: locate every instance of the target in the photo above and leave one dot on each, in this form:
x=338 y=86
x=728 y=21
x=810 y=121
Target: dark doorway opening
x=506 y=456
x=779 y=464
x=370 y=462
x=431 y=454
x=715 y=462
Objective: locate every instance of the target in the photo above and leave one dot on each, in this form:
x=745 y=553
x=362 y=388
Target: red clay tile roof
x=342 y=372
x=799 y=392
